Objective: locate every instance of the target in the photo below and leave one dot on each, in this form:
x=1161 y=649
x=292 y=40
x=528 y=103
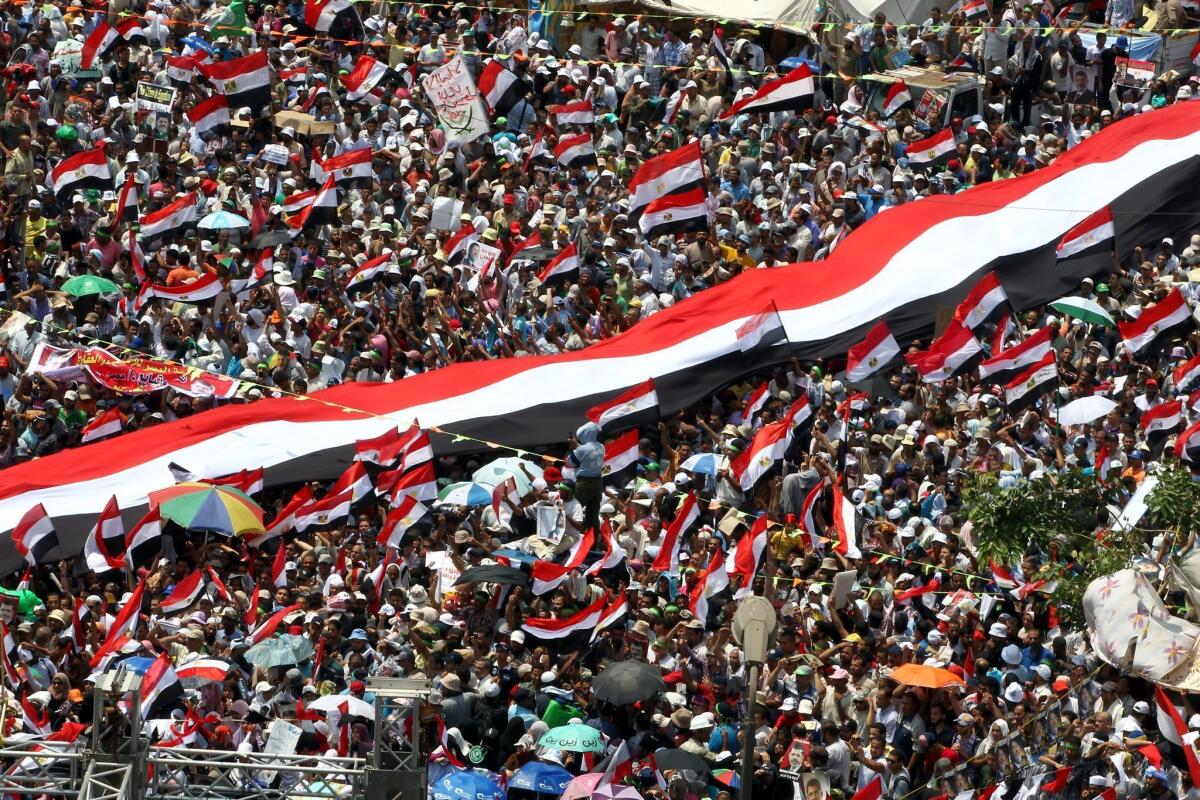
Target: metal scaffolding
x=205 y=774
x=50 y=769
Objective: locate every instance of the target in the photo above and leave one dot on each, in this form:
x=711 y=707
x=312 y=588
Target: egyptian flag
x=621 y=453
x=279 y=568
x=548 y=576
x=746 y=556
x=769 y=445
x=169 y=222
x=872 y=791
x=613 y=612
x=614 y=554
x=548 y=628
x=538 y=148
x=564 y=266
x=206 y=287
x=636 y=406
x=667 y=559
x=714 y=581
x=14 y=671
x=368 y=273
x=338 y=18
x=351 y=170
x=419 y=482
x=408 y=512
x=99 y=44
x=323 y=210
x=871 y=354
x=367 y=74
x=799 y=412
x=204 y=670
x=1187 y=445
x=245 y=81
x=1164 y=317
x=455 y=248
x=1162 y=420
x=576 y=151
x=764 y=328
x=792 y=92
x=897 y=97
x=1185 y=374
x=186 y=592
x=683 y=212
x=985 y=303
x=247 y=481
x=371 y=450
x=500 y=88
x=86 y=170
x=577 y=113
x=974 y=8
x=106 y=423
x=354 y=480
x=1002 y=367
x=36 y=720
x=330 y=508
x=845 y=524
x=755 y=401
x=144 y=541
x=131 y=31
x=297 y=202
x=127 y=201
x=181 y=70
x=124 y=626
x=936 y=149
x=1027 y=387
x=34 y=537
x=415 y=448
x=1173 y=729
x=1095 y=235
x=161 y=689
x=953 y=353
x=532 y=240
x=678 y=171
x=293 y=77
x=1004 y=331
x=210 y=114
x=105 y=545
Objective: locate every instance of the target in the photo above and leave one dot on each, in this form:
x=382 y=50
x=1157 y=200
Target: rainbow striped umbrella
x=203 y=507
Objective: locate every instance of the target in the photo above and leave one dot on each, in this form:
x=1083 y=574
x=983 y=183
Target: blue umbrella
x=537 y=776
x=703 y=463
x=464 y=784
x=280 y=651
x=789 y=64
x=223 y=219
x=465 y=493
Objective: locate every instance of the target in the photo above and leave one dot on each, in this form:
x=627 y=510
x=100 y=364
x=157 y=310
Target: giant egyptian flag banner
x=900 y=266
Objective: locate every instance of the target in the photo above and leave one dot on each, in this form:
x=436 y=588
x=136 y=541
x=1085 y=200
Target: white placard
x=459 y=107
x=275 y=153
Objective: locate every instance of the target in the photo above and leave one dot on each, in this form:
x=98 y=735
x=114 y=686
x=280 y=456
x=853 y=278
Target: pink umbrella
x=582 y=787
x=615 y=791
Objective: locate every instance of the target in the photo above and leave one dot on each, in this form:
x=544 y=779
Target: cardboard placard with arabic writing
x=459 y=107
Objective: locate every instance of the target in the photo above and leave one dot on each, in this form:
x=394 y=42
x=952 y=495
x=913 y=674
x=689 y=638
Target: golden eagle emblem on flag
x=874 y=362
x=230 y=86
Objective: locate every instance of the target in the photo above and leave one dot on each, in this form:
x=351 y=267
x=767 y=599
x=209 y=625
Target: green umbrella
x=80 y=285
x=1083 y=309
x=575 y=738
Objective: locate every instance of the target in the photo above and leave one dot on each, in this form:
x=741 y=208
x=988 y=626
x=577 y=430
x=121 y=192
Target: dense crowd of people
x=1029 y=696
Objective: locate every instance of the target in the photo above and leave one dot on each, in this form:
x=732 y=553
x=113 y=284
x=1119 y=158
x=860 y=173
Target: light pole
x=753 y=628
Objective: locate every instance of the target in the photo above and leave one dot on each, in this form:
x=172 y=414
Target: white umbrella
x=1085 y=409
x=333 y=703
x=497 y=471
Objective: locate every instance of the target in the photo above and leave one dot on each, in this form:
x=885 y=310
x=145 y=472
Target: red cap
x=509 y=199
x=5 y=362
x=1061 y=685
x=1151 y=382
x=552 y=474
x=831 y=120
x=515 y=227
x=357 y=687
x=954 y=163
x=455 y=324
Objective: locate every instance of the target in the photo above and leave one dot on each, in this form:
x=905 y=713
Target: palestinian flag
x=1035 y=382
x=500 y=88
x=686 y=515
x=575 y=151
x=871 y=354
x=168 y=223
x=792 y=92
x=564 y=266
x=186 y=592
x=105 y=546
x=932 y=150
x=99 y=44
x=954 y=352
x=549 y=628
x=636 y=406
x=767 y=447
x=1095 y=234
x=746 y=556
x=143 y=543
x=366 y=75
x=896 y=98
x=86 y=170
x=1002 y=367
x=210 y=115
x=1161 y=420
x=1167 y=317
x=408 y=512
x=577 y=113
x=985 y=303
x=34 y=538
x=245 y=81
x=676 y=172
x=683 y=212
x=714 y=581
x=351 y=169
x=763 y=329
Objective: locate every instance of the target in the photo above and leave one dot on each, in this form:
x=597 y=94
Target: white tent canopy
x=791 y=15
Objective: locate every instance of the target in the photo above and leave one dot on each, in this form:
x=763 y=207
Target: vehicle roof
x=926 y=78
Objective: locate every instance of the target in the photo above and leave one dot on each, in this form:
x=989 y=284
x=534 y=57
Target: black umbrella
x=270 y=239
x=628 y=682
x=538 y=254
x=494 y=573
x=680 y=759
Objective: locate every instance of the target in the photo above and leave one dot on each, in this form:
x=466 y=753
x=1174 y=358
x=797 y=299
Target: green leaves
x=1175 y=502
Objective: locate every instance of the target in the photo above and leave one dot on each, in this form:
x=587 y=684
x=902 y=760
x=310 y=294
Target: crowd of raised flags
x=821 y=471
